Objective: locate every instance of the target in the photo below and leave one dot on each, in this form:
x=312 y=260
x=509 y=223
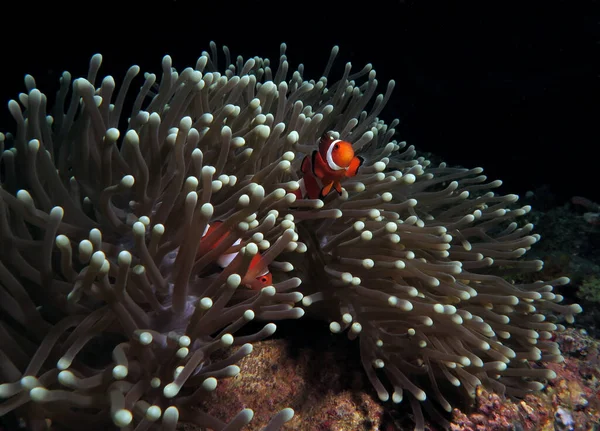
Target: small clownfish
x=326 y=167
x=262 y=280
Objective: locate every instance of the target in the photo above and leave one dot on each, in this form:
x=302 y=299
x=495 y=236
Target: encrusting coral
x=104 y=212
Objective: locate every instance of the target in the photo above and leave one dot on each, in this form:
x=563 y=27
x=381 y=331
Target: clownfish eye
x=264 y=279
x=336 y=147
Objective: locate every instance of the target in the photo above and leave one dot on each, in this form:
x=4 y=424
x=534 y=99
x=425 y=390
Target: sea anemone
x=104 y=212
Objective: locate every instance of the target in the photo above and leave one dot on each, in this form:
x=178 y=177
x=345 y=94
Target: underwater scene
x=268 y=216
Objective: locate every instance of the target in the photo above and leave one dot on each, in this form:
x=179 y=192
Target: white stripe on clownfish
x=225 y=259
x=332 y=164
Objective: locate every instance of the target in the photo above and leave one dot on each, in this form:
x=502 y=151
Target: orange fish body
x=209 y=230
x=261 y=280
x=326 y=167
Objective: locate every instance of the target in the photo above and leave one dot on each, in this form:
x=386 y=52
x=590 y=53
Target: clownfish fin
x=308 y=184
x=325 y=190
x=305 y=166
x=298 y=194
x=311 y=187
x=354 y=165
x=338 y=187
x=319 y=166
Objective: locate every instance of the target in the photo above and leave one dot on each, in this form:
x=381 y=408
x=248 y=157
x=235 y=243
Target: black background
x=510 y=86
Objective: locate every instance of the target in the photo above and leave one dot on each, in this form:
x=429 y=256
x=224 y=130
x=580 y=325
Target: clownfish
x=326 y=167
x=262 y=280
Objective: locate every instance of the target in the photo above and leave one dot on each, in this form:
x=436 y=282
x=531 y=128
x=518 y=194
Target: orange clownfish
x=326 y=167
x=262 y=280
